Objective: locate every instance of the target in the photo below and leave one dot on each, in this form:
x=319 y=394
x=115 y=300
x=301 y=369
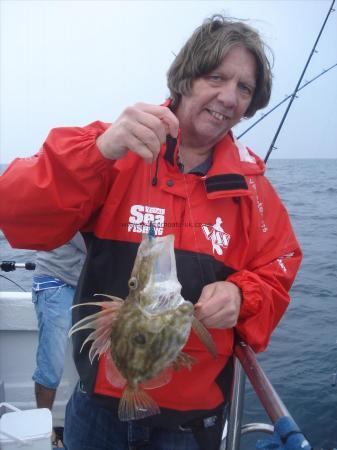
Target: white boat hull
x=18 y=341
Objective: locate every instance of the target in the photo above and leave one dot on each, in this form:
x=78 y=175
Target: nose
x=227 y=95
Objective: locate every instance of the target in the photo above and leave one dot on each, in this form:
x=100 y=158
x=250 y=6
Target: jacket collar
x=232 y=162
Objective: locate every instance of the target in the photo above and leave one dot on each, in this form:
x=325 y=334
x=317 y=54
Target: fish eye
x=133 y=283
x=138 y=339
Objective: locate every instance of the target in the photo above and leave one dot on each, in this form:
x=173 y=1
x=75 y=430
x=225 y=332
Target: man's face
x=218 y=100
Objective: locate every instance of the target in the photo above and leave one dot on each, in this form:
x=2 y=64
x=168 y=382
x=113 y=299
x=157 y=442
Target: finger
x=147 y=137
x=136 y=137
x=138 y=114
x=205 y=310
x=137 y=146
x=215 y=321
x=206 y=293
x=155 y=124
x=164 y=114
x=220 y=320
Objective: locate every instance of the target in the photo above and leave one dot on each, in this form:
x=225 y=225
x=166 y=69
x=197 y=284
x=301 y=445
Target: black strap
x=226 y=182
x=209 y=437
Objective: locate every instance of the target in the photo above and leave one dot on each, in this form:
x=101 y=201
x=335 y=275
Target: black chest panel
x=109 y=265
x=107 y=271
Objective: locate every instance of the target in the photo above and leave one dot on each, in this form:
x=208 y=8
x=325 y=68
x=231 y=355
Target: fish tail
x=136 y=404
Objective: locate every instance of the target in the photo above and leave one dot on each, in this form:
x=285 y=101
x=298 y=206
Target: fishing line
x=6 y=278
x=264 y=115
x=272 y=145
x=193 y=224
x=152 y=182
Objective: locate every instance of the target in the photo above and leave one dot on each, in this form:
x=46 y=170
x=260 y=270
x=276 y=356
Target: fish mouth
x=159 y=288
x=164 y=265
x=155 y=260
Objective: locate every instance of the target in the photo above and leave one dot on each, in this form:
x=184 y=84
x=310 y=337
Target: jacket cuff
x=250 y=285
x=98 y=160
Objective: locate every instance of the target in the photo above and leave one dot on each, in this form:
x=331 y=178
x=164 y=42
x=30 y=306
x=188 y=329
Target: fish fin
x=184 y=360
x=107 y=305
x=101 y=343
x=161 y=379
x=112 y=374
x=205 y=337
x=107 y=314
x=112 y=297
x=101 y=322
x=136 y=404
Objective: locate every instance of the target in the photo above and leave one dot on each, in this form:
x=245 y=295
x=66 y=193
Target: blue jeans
x=89 y=426
x=52 y=307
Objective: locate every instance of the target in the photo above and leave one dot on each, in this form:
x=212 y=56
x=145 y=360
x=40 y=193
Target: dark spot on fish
x=138 y=339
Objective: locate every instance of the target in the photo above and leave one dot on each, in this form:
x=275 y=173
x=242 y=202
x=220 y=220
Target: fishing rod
x=10 y=266
x=272 y=145
x=14 y=282
x=264 y=115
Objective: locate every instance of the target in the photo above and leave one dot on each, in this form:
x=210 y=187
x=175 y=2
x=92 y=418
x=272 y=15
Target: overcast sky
x=72 y=62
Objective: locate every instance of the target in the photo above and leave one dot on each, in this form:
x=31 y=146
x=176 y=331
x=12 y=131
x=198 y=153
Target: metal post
x=236 y=409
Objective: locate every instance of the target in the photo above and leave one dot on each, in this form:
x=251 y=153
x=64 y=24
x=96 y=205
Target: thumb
x=206 y=294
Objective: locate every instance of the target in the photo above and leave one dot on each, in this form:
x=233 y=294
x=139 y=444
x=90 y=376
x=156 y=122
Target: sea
x=301 y=360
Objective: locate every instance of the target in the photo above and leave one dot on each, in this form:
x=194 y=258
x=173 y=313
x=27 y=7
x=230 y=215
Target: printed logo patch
x=141 y=216
x=259 y=205
x=215 y=233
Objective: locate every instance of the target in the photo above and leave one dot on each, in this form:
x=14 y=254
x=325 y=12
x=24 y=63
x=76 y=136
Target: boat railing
x=283 y=432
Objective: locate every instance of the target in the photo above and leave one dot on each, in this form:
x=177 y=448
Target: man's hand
x=219 y=305
x=141 y=128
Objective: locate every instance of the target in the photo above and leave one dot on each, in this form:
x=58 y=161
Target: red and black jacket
x=228 y=225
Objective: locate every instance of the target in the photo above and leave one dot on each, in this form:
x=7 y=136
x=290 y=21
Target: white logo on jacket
x=259 y=205
x=141 y=216
x=216 y=235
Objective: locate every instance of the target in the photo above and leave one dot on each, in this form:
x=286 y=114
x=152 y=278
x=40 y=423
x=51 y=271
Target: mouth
x=218 y=116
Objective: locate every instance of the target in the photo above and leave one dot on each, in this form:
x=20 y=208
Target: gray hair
x=205 y=50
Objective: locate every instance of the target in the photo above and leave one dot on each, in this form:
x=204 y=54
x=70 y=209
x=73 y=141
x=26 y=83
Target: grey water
x=302 y=355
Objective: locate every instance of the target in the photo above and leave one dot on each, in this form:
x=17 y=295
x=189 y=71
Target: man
x=54 y=282
x=178 y=163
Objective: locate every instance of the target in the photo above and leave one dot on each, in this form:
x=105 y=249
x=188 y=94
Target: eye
x=133 y=283
x=138 y=339
x=247 y=90
x=214 y=78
